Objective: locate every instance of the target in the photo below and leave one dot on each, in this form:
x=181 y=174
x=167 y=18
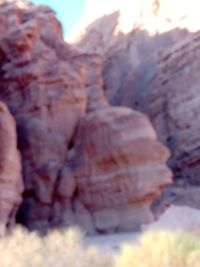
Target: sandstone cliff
x=11 y=185
x=151 y=59
x=82 y=160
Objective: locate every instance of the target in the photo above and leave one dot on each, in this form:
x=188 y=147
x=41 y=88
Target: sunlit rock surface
x=82 y=160
x=152 y=65
x=119 y=167
x=11 y=185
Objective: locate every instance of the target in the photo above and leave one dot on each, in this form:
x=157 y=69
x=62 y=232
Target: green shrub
x=161 y=249
x=67 y=249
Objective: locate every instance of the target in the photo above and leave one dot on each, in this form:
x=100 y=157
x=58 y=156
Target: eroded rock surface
x=11 y=185
x=152 y=66
x=43 y=81
x=119 y=167
x=173 y=98
x=78 y=153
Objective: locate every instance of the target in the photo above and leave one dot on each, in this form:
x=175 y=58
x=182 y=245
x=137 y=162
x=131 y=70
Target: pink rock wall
x=11 y=185
x=73 y=145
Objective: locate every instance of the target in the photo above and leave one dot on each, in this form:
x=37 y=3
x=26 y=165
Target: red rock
x=11 y=186
x=153 y=67
x=173 y=100
x=119 y=167
x=68 y=135
x=43 y=82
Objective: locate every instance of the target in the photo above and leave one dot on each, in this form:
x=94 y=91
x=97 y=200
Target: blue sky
x=68 y=11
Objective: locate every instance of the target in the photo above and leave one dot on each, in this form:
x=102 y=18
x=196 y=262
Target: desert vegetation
x=68 y=249
x=156 y=249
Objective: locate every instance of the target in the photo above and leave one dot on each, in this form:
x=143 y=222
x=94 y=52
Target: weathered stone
x=81 y=158
x=43 y=82
x=119 y=168
x=11 y=186
x=173 y=103
x=151 y=61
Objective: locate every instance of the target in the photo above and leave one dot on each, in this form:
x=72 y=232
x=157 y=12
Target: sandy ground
x=113 y=241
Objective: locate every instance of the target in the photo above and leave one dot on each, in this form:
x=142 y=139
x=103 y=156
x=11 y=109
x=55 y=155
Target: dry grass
x=67 y=249
x=57 y=249
x=162 y=249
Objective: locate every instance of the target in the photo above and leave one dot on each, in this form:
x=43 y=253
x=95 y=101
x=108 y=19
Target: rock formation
x=82 y=159
x=43 y=83
x=152 y=65
x=119 y=168
x=11 y=185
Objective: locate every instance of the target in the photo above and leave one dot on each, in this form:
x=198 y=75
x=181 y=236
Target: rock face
x=119 y=168
x=174 y=110
x=55 y=95
x=43 y=83
x=154 y=68
x=11 y=185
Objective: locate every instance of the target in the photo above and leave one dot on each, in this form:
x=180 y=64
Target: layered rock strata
x=78 y=153
x=119 y=167
x=43 y=82
x=153 y=67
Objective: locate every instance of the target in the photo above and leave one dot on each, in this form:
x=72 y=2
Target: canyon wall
x=11 y=184
x=151 y=59
x=82 y=161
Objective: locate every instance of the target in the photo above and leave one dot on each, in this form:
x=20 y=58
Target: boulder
x=119 y=167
